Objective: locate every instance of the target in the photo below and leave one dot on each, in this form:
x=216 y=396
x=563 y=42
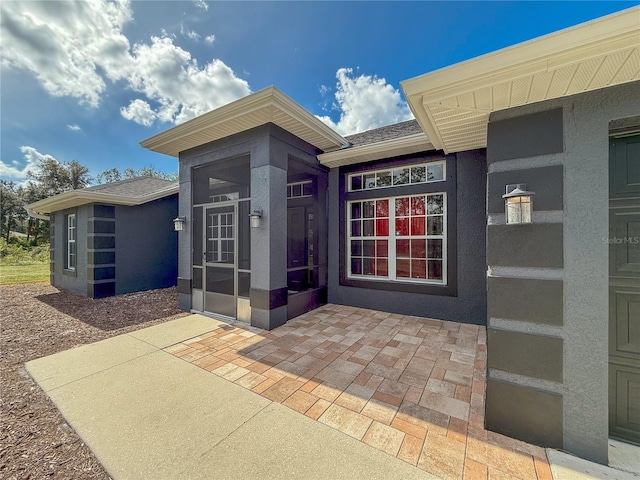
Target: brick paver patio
x=411 y=387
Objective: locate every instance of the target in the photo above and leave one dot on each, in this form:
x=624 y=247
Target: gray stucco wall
x=146 y=246
x=584 y=221
x=75 y=282
x=268 y=148
x=469 y=305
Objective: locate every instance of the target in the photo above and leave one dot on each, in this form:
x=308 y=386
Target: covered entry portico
x=255 y=155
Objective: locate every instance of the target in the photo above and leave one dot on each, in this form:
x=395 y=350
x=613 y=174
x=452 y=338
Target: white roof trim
x=374 y=151
x=269 y=105
x=453 y=104
x=74 y=198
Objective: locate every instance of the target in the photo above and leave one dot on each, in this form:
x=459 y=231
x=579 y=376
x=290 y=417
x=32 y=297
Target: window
x=71 y=242
x=394 y=177
x=299 y=189
x=220 y=238
x=399 y=238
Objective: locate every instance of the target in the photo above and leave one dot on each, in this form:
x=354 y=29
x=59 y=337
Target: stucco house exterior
x=114 y=238
x=283 y=214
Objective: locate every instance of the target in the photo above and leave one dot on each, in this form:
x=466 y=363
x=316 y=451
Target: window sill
x=69 y=272
x=397 y=286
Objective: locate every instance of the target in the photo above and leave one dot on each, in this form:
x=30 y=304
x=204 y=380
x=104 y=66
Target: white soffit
x=375 y=151
x=269 y=105
x=452 y=105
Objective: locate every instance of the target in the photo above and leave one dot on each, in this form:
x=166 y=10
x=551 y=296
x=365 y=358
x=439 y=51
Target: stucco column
x=269 y=241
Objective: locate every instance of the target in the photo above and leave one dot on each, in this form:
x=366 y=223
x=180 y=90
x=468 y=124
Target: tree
x=10 y=207
x=114 y=175
x=54 y=177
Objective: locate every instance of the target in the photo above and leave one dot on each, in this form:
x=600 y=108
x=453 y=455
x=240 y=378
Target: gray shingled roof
x=390 y=132
x=134 y=187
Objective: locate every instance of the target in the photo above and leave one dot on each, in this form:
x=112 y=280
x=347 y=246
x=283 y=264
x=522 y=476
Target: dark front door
x=624 y=289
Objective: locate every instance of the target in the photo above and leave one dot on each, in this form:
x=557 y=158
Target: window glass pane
x=435 y=269
x=382 y=227
x=434 y=248
x=418 y=175
x=418 y=248
x=367 y=228
x=418 y=269
x=382 y=267
x=435 y=204
x=435 y=172
x=356 y=266
x=403 y=268
x=356 y=210
x=368 y=266
x=356 y=182
x=402 y=207
x=434 y=225
x=402 y=248
x=401 y=176
x=356 y=228
x=417 y=225
x=297 y=190
x=307 y=189
x=383 y=179
x=402 y=226
x=368 y=209
x=382 y=208
x=417 y=205
x=369 y=180
x=369 y=248
x=288 y=191
x=382 y=248
x=356 y=247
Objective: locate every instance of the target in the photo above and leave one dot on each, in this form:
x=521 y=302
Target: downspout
x=34 y=214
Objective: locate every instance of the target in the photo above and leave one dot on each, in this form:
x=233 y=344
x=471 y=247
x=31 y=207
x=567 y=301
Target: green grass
x=30 y=273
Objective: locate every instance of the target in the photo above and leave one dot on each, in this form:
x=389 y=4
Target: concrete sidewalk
x=147 y=414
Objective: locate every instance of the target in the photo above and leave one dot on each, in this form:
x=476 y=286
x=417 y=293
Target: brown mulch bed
x=38 y=320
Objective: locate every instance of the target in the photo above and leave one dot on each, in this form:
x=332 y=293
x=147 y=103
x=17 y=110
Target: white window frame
x=71 y=242
x=376 y=173
x=392 y=237
x=291 y=191
x=217 y=234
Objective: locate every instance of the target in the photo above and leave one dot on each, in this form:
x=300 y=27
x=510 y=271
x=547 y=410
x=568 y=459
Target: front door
x=220 y=234
x=624 y=289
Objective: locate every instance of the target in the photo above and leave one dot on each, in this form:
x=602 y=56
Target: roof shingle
x=390 y=132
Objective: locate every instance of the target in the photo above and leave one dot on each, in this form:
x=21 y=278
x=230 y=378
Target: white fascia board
x=579 y=43
x=418 y=142
x=75 y=198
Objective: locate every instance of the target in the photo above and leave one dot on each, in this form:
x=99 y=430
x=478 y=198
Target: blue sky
x=89 y=80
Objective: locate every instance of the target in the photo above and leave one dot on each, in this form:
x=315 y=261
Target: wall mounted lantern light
x=255 y=217
x=178 y=223
x=518 y=204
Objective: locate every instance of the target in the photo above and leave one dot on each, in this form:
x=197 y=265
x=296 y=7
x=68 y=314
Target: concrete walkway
x=146 y=413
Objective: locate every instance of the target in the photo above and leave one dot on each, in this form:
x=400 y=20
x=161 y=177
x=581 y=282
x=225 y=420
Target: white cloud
x=74 y=128
x=193 y=35
x=73 y=48
x=202 y=5
x=365 y=102
x=210 y=38
x=29 y=164
x=140 y=112
x=63 y=43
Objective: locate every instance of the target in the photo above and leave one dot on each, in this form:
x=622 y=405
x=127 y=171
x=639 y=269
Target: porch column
x=269 y=241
